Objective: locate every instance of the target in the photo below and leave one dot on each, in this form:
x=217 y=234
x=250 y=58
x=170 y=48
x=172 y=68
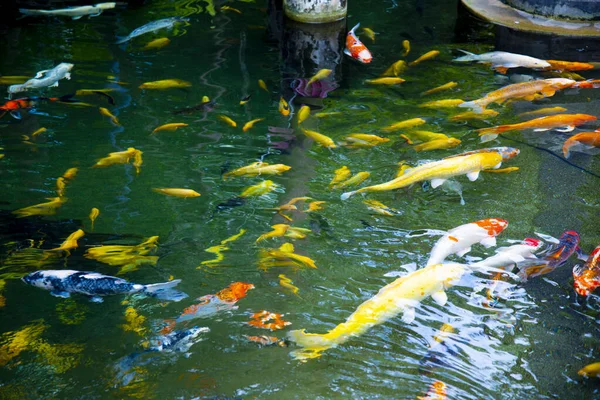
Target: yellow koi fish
x=289 y=206
x=121 y=157
x=93 y=215
x=427 y=56
x=165 y=84
x=364 y=140
x=107 y=113
x=315 y=206
x=285 y=253
x=409 y=123
x=41 y=130
x=278 y=231
x=354 y=181
x=227 y=8
x=406 y=47
x=446 y=86
x=303 y=114
x=157 y=44
x=60 y=186
x=439 y=171
x=228 y=120
x=126 y=257
x=245 y=100
x=327 y=114
x=590 y=371
x=175 y=192
x=370 y=33
x=263 y=85
x=437 y=144
x=395 y=69
x=385 y=81
x=340 y=175
x=288 y=284
x=71 y=242
x=397 y=297
x=402 y=168
x=258 y=168
x=543 y=111
x=422 y=136
x=259 y=189
x=170 y=127
x=284 y=107
x=45 y=209
x=380 y=208
x=250 y=124
x=485 y=114
x=323 y=140
x=447 y=103
x=70 y=173
x=322 y=74
x=220 y=248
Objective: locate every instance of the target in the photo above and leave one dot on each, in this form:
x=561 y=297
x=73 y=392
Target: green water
x=531 y=346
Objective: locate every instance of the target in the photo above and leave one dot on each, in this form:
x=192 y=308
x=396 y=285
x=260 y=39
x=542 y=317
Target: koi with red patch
x=26 y=103
x=557 y=255
x=356 y=49
x=587 y=276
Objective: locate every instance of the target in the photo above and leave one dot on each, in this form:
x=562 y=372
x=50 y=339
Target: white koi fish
x=45 y=78
x=510 y=255
x=502 y=60
x=73 y=12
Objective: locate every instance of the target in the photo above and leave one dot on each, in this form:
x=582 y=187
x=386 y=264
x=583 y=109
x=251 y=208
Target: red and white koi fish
x=356 y=49
x=587 y=276
x=460 y=239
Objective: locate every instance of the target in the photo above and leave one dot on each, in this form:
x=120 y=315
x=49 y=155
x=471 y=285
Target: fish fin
x=77 y=17
x=473 y=176
x=60 y=293
x=347 y=52
x=578 y=270
x=408 y=315
x=497 y=165
x=15 y=114
x=473 y=105
x=548 y=238
x=541 y=129
x=309 y=340
x=568 y=128
x=466 y=58
x=463 y=252
x=437 y=182
x=55 y=84
x=347 y=195
x=580 y=254
x=40 y=73
x=355 y=27
x=488 y=137
x=489 y=241
x=96 y=299
x=501 y=69
x=440 y=297
x=165 y=291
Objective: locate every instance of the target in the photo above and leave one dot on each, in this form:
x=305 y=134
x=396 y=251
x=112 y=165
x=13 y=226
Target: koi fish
x=587 y=277
x=245 y=99
x=315 y=206
x=355 y=48
x=227 y=120
x=556 y=65
x=284 y=107
x=303 y=114
x=437 y=144
x=568 y=243
x=581 y=142
x=121 y=157
x=70 y=242
x=288 y=284
x=445 y=86
x=340 y=175
x=227 y=8
x=439 y=171
x=406 y=124
x=61 y=185
x=126 y=257
x=267 y=340
x=447 y=103
x=261 y=320
x=364 y=140
x=278 y=231
x=385 y=81
x=157 y=43
x=322 y=74
x=427 y=56
x=165 y=84
x=511 y=255
x=402 y=295
x=525 y=90
x=73 y=12
x=259 y=189
x=395 y=69
x=153 y=26
x=45 y=78
x=381 y=208
x=176 y=192
x=170 y=127
x=70 y=173
x=258 y=168
x=250 y=124
x=406 y=47
x=62 y=283
x=485 y=114
x=543 y=111
x=45 y=209
x=590 y=371
x=107 y=113
x=501 y=61
x=370 y=33
x=284 y=256
x=93 y=215
x=422 y=136
x=357 y=179
x=568 y=121
x=323 y=140
x=460 y=239
x=437 y=391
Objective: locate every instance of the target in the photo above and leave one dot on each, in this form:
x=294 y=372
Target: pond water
x=529 y=345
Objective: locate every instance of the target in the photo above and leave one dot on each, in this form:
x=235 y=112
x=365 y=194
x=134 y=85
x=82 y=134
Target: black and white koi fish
x=61 y=283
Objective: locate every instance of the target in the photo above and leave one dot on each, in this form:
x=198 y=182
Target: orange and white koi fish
x=258 y=168
x=501 y=61
x=268 y=320
x=176 y=192
x=525 y=90
x=470 y=164
x=427 y=56
x=568 y=121
x=587 y=276
x=460 y=239
x=399 y=296
x=581 y=142
x=356 y=49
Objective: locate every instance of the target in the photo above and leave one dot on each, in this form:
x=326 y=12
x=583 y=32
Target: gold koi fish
x=60 y=186
x=93 y=215
x=340 y=175
x=126 y=257
x=409 y=123
x=447 y=103
x=71 y=242
x=258 y=168
x=165 y=84
x=44 y=209
x=107 y=113
x=485 y=114
x=157 y=44
x=176 y=192
x=284 y=107
x=446 y=86
x=323 y=140
x=406 y=47
x=427 y=56
x=315 y=206
x=364 y=140
x=437 y=144
x=121 y=157
x=227 y=120
x=396 y=69
x=70 y=173
x=41 y=130
x=303 y=114
x=278 y=231
x=250 y=124
x=370 y=33
x=357 y=179
x=284 y=256
x=380 y=208
x=170 y=127
x=543 y=111
x=385 y=81
x=259 y=189
x=322 y=74
x=288 y=284
x=263 y=85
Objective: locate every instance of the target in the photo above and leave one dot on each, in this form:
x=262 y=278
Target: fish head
x=235 y=291
x=585 y=280
x=493 y=226
x=39 y=279
x=569 y=237
x=106 y=6
x=65 y=66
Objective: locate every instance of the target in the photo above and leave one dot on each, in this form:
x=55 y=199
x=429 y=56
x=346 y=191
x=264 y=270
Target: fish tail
x=346 y=196
x=122 y=39
x=567 y=147
x=26 y=11
x=165 y=291
x=310 y=341
x=355 y=28
x=468 y=57
x=489 y=134
x=474 y=105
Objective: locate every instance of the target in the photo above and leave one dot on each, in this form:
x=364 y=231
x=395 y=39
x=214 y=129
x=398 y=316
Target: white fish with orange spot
x=356 y=49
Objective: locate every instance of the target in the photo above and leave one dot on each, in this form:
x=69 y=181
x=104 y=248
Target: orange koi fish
x=569 y=121
x=556 y=65
x=587 y=277
x=261 y=320
x=267 y=340
x=581 y=141
x=356 y=49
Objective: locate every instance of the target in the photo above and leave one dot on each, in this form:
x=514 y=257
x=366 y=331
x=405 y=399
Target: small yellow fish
x=354 y=181
x=45 y=209
x=322 y=74
x=380 y=208
x=502 y=170
x=327 y=114
x=205 y=99
x=227 y=8
x=370 y=33
x=258 y=168
x=60 y=186
x=119 y=157
x=263 y=85
x=284 y=256
x=340 y=175
x=70 y=173
x=427 y=56
x=437 y=144
x=245 y=100
x=409 y=123
x=543 y=111
x=447 y=103
x=71 y=242
x=474 y=115
x=287 y=283
x=157 y=43
x=278 y=231
x=176 y=192
x=303 y=114
x=227 y=120
x=41 y=130
x=402 y=168
x=284 y=107
x=248 y=125
x=422 y=136
x=364 y=140
x=219 y=248
x=395 y=69
x=590 y=371
x=137 y=161
x=107 y=113
x=406 y=47
x=385 y=81
x=11 y=80
x=445 y=86
x=165 y=84
x=129 y=258
x=315 y=206
x=297 y=233
x=93 y=215
x=170 y=127
x=259 y=189
x=323 y=140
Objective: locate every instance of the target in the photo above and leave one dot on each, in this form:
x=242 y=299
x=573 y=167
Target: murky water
x=530 y=345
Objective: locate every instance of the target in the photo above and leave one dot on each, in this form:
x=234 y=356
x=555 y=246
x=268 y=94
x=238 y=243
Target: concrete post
x=315 y=11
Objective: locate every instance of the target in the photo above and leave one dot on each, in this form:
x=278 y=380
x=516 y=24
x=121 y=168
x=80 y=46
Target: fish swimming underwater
x=402 y=295
x=26 y=103
x=438 y=172
x=73 y=12
x=567 y=245
x=61 y=283
x=587 y=277
x=45 y=78
x=460 y=239
x=152 y=27
x=583 y=142
x=356 y=49
x=502 y=61
x=510 y=255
